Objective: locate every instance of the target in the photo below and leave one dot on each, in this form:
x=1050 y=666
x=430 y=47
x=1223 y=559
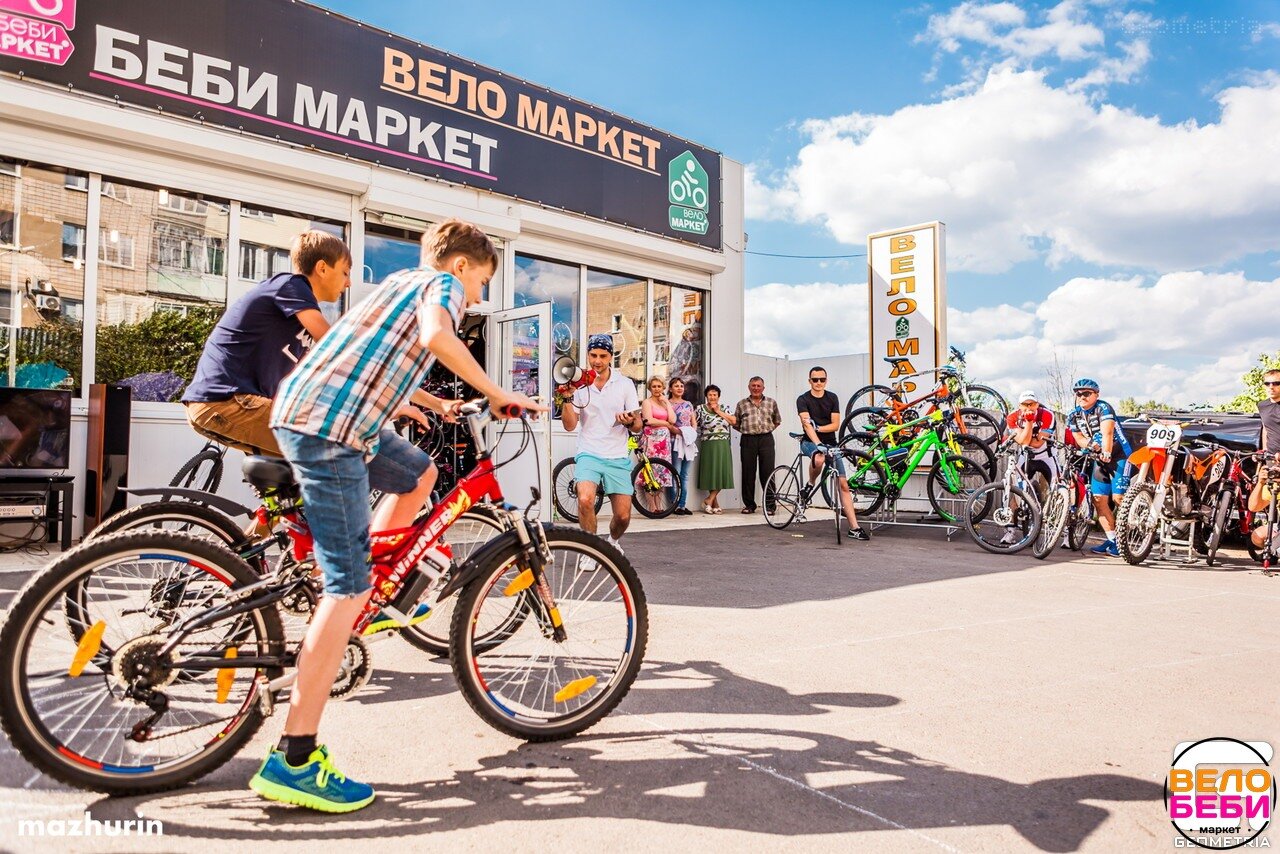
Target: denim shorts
x=615 y=474
x=837 y=460
x=335 y=483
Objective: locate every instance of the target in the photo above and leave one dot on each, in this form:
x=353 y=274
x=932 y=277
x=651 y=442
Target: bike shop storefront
x=163 y=169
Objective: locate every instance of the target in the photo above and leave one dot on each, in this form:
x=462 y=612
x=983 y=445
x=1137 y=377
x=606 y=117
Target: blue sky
x=1127 y=99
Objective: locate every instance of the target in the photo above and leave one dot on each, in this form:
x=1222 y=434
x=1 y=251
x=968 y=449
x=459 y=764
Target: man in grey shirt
x=1269 y=409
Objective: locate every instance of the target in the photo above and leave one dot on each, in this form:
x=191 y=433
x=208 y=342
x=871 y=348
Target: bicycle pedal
x=266 y=697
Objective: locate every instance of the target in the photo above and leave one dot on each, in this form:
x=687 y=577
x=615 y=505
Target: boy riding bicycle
x=329 y=420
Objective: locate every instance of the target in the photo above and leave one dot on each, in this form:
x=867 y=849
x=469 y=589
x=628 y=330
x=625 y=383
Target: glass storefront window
x=41 y=282
x=388 y=249
x=265 y=238
x=162 y=285
x=538 y=281
x=614 y=299
x=678 y=337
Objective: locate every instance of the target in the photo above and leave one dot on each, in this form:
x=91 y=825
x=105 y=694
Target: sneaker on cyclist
x=617 y=544
x=859 y=534
x=1010 y=536
x=315 y=784
x=382 y=621
x=1108 y=547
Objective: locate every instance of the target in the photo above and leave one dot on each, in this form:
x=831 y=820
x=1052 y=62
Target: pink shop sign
x=62 y=11
x=40 y=41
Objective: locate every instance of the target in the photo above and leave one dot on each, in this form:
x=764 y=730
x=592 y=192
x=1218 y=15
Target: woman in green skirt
x=715 y=463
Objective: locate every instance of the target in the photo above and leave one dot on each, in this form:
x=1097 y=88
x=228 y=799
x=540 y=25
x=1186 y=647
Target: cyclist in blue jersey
x=1094 y=427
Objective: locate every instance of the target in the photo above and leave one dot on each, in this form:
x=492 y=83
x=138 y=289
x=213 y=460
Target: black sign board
x=292 y=71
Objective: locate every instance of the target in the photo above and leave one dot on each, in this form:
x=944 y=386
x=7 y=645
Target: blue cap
x=1085 y=384
x=601 y=341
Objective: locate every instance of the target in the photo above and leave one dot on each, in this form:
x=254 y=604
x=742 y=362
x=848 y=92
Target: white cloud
x=1183 y=338
x=1019 y=169
x=1271 y=29
x=816 y=319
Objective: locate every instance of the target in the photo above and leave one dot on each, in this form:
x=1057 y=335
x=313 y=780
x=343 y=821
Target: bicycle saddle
x=895 y=360
x=267 y=472
x=800 y=436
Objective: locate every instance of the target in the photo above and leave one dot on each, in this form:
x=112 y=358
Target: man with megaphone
x=609 y=410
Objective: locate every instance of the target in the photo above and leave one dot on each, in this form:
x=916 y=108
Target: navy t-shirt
x=256 y=343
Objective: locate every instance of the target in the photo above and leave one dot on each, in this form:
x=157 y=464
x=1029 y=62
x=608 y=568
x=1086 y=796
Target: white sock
x=1109 y=533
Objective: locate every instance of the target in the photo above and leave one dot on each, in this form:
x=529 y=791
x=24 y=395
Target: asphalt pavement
x=907 y=694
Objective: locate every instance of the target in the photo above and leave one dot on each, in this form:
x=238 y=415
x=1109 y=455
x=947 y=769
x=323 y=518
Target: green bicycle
x=880 y=473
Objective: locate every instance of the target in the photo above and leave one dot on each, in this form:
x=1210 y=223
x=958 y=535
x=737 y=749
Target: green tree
x=1247 y=401
x=1132 y=406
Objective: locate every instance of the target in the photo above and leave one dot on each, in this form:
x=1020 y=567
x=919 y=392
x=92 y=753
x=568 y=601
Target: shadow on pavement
x=778 y=782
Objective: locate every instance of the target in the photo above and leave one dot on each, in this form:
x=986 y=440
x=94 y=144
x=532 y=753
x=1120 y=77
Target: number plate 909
x=1163 y=435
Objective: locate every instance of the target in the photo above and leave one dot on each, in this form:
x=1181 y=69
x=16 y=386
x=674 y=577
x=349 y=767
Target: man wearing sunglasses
x=820 y=422
x=1094 y=426
x=1269 y=409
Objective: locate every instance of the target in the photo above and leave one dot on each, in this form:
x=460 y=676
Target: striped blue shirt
x=350 y=384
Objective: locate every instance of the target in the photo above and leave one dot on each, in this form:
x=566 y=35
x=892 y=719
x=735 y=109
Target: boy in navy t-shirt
x=258 y=342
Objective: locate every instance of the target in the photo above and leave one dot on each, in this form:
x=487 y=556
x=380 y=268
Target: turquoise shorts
x=615 y=474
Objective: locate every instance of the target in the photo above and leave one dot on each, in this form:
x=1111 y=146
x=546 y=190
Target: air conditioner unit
x=47 y=302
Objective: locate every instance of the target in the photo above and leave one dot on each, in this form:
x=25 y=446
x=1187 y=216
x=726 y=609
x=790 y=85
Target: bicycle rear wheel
x=951 y=481
x=980 y=423
x=1010 y=523
x=564 y=491
x=1221 y=517
x=870 y=395
x=654 y=496
x=781 y=497
x=531 y=686
x=65 y=670
x=986 y=398
x=868 y=481
x=175 y=516
x=1053 y=522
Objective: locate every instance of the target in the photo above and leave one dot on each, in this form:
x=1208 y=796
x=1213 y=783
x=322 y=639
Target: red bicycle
x=143 y=660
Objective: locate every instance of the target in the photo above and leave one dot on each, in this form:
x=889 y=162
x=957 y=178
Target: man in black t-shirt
x=820 y=422
x=1269 y=409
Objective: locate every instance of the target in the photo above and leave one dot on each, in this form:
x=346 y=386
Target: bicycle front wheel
x=66 y=670
x=868 y=481
x=564 y=491
x=1010 y=521
x=203 y=471
x=1057 y=508
x=176 y=516
x=781 y=497
x=530 y=685
x=986 y=398
x=1221 y=517
x=653 y=481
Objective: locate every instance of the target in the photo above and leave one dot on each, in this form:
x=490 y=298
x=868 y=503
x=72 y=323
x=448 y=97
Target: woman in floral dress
x=659 y=419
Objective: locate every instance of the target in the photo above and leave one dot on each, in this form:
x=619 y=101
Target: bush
x=165 y=341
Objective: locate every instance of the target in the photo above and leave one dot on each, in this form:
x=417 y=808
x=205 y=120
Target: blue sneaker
x=1107 y=548
x=317 y=784
x=381 y=622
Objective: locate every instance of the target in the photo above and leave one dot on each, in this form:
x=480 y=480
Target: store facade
x=154 y=165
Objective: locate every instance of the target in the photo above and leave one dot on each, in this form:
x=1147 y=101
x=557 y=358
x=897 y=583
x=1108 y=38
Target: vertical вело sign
x=906 y=271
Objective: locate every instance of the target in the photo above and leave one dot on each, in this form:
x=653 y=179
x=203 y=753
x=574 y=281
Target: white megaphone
x=569 y=376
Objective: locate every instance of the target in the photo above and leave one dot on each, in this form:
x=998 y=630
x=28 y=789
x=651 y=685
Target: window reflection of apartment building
x=36 y=208
x=625 y=304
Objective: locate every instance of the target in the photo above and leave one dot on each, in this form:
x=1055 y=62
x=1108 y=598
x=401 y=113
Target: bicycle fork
x=535 y=554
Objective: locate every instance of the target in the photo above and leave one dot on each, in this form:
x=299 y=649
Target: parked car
x=1235 y=430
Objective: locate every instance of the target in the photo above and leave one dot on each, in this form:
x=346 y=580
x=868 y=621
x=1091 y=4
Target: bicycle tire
x=980 y=423
x=432 y=635
x=850 y=427
x=564 y=494
x=199 y=517
x=876 y=394
x=1026 y=518
x=1221 y=513
x=480 y=692
x=1053 y=522
x=784 y=488
x=1135 y=546
x=951 y=505
x=1081 y=520
x=186 y=476
x=974 y=448
x=42 y=749
x=656 y=503
x=975 y=394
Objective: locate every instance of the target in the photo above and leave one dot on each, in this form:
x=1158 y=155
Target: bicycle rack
x=1167 y=539
x=887 y=516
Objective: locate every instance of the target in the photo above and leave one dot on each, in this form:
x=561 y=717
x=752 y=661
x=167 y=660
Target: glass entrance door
x=522 y=360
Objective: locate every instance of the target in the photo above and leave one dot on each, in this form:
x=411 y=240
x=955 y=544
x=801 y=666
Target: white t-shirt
x=599 y=433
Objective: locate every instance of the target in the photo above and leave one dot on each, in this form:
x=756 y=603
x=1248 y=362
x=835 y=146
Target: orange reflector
x=555 y=618
x=226 y=676
x=575 y=688
x=523 y=581
x=88 y=647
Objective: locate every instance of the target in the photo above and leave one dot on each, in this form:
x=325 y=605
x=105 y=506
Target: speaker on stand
x=107 y=460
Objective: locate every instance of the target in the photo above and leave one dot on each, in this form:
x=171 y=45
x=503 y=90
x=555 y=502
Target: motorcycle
x=1173 y=493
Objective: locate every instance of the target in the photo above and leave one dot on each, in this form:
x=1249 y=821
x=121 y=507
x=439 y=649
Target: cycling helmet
x=1085 y=385
x=947 y=371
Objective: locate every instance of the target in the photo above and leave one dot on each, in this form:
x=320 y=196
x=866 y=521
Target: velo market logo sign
x=687 y=192
x=38 y=41
x=907 y=279
x=1221 y=793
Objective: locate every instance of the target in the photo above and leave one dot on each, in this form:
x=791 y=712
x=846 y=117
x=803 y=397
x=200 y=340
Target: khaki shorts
x=241 y=423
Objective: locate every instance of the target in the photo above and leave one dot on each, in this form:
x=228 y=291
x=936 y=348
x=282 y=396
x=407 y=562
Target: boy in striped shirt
x=329 y=419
